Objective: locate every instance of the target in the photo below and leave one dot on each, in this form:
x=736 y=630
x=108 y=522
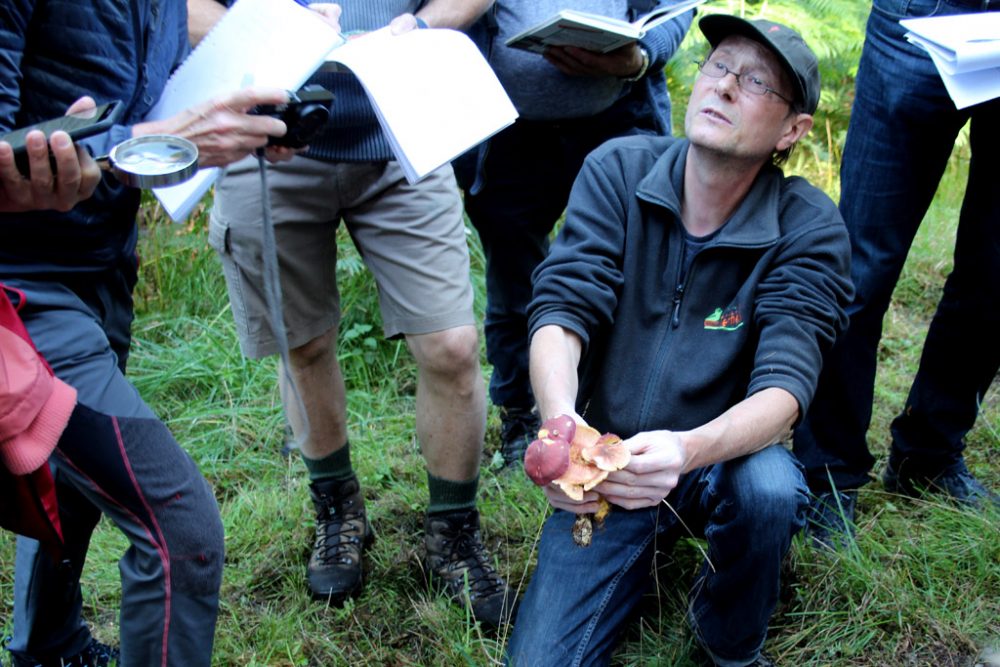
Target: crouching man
x=686 y=307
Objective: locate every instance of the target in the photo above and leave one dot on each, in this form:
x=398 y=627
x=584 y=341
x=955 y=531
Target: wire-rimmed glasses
x=749 y=81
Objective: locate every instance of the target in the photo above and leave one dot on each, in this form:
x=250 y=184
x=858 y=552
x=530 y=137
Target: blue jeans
x=527 y=174
x=903 y=127
x=579 y=599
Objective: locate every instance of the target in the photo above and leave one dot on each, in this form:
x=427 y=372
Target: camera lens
x=312 y=117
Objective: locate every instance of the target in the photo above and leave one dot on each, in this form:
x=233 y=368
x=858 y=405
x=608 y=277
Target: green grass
x=921 y=590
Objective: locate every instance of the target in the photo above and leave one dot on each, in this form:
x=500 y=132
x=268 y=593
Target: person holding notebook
x=904 y=121
x=570 y=101
x=412 y=238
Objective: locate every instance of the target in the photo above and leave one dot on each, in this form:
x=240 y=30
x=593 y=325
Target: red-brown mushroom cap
x=560 y=426
x=546 y=459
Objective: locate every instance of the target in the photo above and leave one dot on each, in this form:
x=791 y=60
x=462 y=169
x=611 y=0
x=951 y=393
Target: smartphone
x=78 y=126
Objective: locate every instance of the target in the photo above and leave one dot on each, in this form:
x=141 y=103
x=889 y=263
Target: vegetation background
x=922 y=588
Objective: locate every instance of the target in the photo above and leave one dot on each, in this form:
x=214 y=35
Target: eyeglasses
x=748 y=81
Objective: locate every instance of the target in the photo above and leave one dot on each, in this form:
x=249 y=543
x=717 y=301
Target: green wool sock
x=333 y=466
x=448 y=496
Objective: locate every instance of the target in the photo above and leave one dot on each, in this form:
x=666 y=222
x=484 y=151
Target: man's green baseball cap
x=793 y=52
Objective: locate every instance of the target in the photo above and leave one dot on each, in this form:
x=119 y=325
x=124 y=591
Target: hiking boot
x=830 y=518
x=518 y=427
x=95 y=654
x=457 y=563
x=955 y=481
x=335 y=570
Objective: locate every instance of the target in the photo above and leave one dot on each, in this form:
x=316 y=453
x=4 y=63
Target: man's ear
x=797 y=125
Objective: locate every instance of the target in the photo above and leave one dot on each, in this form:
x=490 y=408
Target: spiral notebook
x=275 y=43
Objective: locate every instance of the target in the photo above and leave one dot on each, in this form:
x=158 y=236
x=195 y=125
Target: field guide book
x=434 y=93
x=593 y=31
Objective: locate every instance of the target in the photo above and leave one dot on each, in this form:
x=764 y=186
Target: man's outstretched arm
x=554 y=358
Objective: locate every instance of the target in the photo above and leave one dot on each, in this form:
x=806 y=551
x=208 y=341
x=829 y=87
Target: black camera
x=305 y=114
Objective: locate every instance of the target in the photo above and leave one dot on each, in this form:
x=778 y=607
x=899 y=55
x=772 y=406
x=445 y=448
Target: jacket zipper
x=663 y=347
x=675 y=320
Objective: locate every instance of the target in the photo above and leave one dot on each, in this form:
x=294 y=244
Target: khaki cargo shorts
x=411 y=237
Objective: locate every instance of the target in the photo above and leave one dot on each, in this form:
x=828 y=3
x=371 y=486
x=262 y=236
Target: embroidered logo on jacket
x=726 y=320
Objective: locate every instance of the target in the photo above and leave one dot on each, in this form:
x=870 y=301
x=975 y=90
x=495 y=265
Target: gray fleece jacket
x=757 y=308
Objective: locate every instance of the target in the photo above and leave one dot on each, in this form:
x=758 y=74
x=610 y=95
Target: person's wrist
x=643 y=66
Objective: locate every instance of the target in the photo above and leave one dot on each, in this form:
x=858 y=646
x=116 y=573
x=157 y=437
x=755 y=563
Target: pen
x=304 y=3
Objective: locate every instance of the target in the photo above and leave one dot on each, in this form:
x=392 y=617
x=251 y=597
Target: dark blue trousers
x=902 y=131
x=580 y=599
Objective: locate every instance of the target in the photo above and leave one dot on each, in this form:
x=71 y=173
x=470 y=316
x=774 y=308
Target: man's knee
x=451 y=352
x=769 y=491
x=197 y=547
x=317 y=350
x=200 y=574
x=180 y=526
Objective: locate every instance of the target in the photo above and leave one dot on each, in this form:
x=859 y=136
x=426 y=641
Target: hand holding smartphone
x=29 y=182
x=77 y=125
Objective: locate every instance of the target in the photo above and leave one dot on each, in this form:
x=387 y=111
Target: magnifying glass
x=151 y=161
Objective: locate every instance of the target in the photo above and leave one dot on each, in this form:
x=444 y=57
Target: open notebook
x=434 y=93
x=594 y=32
x=257 y=42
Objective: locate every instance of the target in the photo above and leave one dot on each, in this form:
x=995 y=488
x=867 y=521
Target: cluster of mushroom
x=577 y=458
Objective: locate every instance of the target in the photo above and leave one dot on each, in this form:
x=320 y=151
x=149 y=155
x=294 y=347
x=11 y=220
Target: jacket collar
x=753 y=223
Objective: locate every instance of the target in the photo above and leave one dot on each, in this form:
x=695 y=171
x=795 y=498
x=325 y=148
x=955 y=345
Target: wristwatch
x=642 y=68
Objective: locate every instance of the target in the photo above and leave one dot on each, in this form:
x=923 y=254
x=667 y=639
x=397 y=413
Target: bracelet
x=642 y=68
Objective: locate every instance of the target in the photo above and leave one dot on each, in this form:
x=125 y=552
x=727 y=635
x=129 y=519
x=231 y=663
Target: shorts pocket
x=218 y=235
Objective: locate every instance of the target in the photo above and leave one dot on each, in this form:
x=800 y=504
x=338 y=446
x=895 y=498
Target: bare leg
x=316 y=373
x=451 y=401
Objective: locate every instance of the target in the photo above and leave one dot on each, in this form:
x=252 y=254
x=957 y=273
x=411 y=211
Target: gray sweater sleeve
x=663 y=41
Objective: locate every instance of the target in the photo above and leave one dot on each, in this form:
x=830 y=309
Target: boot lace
x=466 y=555
x=333 y=543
